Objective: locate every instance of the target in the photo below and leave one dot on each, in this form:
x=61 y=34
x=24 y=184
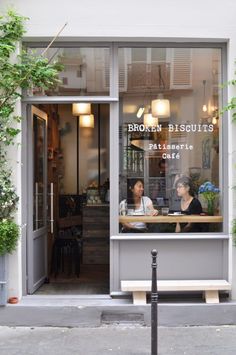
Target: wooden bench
x=211 y=288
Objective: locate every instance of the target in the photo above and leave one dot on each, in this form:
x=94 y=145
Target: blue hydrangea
x=208 y=187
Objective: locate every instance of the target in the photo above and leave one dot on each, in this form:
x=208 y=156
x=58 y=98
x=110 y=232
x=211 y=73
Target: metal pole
x=99 y=147
x=154 y=302
x=77 y=152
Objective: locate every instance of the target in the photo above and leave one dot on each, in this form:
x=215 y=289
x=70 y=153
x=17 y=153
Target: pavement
x=117 y=339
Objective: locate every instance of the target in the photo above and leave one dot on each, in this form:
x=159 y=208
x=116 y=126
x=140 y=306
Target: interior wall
x=68 y=147
x=88 y=153
x=88 y=149
x=105 y=143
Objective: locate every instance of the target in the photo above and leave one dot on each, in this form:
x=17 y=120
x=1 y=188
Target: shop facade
x=127 y=71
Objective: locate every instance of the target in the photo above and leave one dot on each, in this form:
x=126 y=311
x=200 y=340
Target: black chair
x=66 y=251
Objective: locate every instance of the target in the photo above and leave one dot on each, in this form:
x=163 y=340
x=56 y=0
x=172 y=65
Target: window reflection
x=181 y=142
x=86 y=71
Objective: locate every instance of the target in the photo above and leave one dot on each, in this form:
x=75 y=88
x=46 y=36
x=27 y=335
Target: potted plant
x=209 y=192
x=9 y=230
x=9 y=233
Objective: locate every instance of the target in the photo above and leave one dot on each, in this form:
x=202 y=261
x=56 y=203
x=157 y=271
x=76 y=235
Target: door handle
x=36 y=205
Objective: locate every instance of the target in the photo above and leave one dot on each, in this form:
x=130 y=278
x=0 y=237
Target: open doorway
x=69 y=189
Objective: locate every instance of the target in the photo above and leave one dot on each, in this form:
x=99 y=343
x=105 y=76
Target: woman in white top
x=137 y=204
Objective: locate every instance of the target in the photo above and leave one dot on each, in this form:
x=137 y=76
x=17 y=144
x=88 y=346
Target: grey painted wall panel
x=180 y=259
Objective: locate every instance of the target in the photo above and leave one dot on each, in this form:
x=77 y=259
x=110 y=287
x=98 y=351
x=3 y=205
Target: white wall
x=152 y=20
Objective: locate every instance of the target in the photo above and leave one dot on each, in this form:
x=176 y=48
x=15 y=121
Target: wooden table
x=171 y=219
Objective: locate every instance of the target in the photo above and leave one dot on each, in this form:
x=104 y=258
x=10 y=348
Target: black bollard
x=154 y=302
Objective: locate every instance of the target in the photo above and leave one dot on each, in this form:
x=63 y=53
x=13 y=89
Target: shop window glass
x=158 y=54
x=86 y=71
x=170 y=150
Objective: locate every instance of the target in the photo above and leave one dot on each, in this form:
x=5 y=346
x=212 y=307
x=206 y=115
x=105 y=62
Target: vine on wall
x=231 y=106
x=16 y=73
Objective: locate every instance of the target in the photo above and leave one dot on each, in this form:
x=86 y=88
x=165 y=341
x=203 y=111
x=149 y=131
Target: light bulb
x=149 y=120
x=81 y=108
x=86 y=121
x=214 y=120
x=140 y=111
x=161 y=108
x=204 y=108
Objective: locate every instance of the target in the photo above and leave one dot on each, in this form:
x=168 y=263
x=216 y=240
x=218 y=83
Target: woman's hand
x=154 y=212
x=151 y=210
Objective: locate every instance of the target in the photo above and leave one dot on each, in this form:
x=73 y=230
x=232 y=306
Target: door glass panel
x=39 y=141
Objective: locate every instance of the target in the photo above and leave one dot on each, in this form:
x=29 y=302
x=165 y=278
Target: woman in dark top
x=188 y=205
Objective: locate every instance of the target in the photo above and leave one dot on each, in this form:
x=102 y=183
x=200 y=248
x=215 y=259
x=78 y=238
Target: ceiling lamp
x=81 y=108
x=149 y=120
x=86 y=121
x=161 y=107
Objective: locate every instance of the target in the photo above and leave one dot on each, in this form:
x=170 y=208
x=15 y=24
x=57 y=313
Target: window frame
x=113 y=100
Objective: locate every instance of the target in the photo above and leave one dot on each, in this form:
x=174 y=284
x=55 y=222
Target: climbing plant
x=231 y=106
x=17 y=72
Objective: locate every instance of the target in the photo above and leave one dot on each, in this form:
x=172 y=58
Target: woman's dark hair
x=186 y=181
x=130 y=186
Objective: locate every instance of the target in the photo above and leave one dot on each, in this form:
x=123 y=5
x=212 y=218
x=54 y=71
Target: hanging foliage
x=17 y=72
x=231 y=106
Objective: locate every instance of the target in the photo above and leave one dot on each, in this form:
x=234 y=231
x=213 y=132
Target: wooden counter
x=172 y=219
x=96 y=234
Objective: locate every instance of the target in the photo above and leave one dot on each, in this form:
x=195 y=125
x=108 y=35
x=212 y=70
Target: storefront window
x=170 y=140
x=86 y=71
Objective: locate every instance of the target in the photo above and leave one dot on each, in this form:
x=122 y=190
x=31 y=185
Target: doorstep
x=95 y=310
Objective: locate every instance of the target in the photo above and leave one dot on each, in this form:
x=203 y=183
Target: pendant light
x=81 y=108
x=161 y=107
x=83 y=111
x=86 y=121
x=148 y=119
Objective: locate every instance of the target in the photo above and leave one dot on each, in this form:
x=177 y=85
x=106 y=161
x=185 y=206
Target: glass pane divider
x=69 y=99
